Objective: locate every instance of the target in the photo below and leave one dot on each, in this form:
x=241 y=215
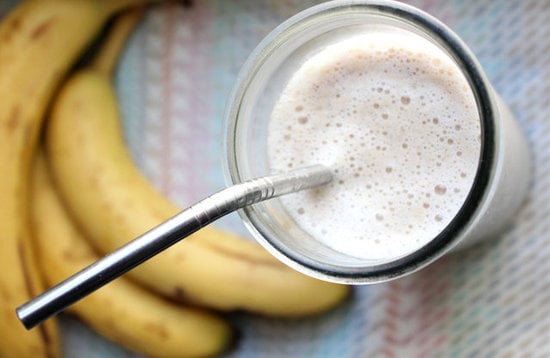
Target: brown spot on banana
x=24 y=269
x=13 y=26
x=158 y=329
x=179 y=294
x=14 y=119
x=72 y=256
x=41 y=29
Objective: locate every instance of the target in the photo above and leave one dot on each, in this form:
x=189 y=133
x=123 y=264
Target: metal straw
x=165 y=235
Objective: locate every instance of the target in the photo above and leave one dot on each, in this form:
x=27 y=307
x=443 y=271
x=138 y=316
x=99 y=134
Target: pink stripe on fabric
x=186 y=141
x=151 y=65
x=191 y=110
x=391 y=321
x=166 y=111
x=415 y=314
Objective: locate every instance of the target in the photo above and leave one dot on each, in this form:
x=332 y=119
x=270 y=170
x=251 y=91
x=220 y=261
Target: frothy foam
x=397 y=122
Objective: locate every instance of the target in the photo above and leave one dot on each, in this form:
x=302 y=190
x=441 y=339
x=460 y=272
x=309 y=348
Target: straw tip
x=25 y=318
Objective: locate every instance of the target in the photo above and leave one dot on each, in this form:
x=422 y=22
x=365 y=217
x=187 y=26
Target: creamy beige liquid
x=395 y=120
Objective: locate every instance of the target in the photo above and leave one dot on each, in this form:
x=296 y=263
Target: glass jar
x=503 y=172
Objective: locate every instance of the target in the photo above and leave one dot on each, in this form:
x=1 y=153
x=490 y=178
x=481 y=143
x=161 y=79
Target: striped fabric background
x=490 y=301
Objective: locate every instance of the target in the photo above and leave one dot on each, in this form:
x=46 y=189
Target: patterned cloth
x=491 y=300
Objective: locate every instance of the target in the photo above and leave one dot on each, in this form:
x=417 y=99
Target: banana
x=114 y=203
x=121 y=311
x=39 y=41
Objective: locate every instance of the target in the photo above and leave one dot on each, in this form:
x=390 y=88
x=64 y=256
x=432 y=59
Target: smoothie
x=396 y=121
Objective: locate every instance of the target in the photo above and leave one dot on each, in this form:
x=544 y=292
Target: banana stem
x=105 y=61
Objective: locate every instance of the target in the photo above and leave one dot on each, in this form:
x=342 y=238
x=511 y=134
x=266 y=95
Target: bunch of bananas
x=79 y=193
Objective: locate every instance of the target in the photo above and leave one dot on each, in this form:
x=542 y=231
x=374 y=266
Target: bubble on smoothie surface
x=394 y=119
